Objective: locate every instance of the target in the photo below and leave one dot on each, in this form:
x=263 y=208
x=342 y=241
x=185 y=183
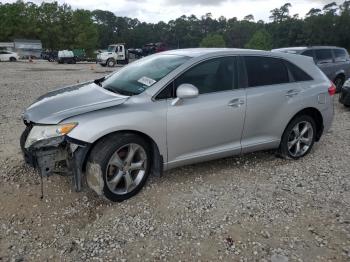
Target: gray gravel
x=251 y=208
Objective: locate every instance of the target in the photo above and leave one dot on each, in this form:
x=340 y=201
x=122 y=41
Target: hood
x=66 y=102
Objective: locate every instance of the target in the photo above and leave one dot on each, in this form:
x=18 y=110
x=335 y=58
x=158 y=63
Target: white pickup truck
x=115 y=54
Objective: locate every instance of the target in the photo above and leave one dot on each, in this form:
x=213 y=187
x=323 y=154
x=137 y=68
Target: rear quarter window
x=263 y=71
x=309 y=53
x=297 y=73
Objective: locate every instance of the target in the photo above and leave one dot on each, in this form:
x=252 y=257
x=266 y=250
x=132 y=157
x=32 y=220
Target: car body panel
x=135 y=114
x=206 y=125
x=59 y=104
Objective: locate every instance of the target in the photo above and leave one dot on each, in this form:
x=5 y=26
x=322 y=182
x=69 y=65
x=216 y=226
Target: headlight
x=44 y=132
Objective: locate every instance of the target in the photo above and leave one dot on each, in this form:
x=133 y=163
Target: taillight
x=332 y=90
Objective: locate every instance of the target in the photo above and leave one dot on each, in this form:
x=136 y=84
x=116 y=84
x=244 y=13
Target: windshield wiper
x=120 y=91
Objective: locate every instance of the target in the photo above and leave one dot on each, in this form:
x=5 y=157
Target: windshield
x=140 y=75
x=111 y=48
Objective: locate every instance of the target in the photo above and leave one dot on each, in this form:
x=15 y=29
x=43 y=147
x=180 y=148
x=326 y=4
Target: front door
x=211 y=124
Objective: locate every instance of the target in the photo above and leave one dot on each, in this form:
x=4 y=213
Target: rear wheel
x=123 y=162
x=339 y=82
x=298 y=138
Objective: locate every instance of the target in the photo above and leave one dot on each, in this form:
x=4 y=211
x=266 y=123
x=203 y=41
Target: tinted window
x=214 y=75
x=309 y=53
x=324 y=56
x=265 y=71
x=340 y=55
x=297 y=73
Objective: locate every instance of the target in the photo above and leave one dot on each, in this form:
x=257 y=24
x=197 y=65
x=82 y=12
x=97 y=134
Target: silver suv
x=333 y=61
x=176 y=108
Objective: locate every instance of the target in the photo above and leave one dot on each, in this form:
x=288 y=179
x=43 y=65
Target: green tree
x=213 y=40
x=280 y=14
x=261 y=40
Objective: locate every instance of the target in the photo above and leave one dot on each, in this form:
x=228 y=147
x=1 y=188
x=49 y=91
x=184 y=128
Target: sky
x=165 y=10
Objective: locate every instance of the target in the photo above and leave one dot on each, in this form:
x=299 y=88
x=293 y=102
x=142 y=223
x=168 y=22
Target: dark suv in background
x=333 y=61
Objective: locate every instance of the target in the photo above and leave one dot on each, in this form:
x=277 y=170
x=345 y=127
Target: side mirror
x=185 y=91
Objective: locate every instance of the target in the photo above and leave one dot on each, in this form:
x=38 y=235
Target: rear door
x=211 y=124
x=271 y=99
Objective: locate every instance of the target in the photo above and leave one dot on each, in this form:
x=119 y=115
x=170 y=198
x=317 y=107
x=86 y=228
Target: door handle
x=236 y=102
x=292 y=93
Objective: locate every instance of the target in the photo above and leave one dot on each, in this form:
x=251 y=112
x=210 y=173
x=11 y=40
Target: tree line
x=62 y=27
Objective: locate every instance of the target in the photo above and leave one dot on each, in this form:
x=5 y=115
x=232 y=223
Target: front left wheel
x=120 y=164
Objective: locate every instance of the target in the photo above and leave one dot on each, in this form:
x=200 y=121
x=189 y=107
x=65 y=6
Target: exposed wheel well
x=157 y=163
x=316 y=115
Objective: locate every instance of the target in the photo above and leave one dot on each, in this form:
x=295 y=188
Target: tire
x=339 y=82
x=110 y=62
x=102 y=168
x=13 y=59
x=290 y=140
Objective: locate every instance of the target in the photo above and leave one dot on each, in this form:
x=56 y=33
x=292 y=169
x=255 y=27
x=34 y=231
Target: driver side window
x=214 y=75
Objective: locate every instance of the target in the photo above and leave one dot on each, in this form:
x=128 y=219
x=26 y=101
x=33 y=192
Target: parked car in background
x=176 y=108
x=136 y=52
x=66 y=56
x=8 y=56
x=344 y=96
x=50 y=56
x=153 y=48
x=333 y=61
x=115 y=54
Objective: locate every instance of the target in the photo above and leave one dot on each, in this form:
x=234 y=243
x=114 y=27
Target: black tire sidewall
x=108 y=61
x=284 y=142
x=338 y=89
x=103 y=156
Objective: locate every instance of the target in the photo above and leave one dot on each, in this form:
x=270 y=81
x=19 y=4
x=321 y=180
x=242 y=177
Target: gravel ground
x=251 y=208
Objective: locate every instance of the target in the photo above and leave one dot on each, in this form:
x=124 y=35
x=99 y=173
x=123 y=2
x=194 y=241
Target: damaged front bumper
x=60 y=155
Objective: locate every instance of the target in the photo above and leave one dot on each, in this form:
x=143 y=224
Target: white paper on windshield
x=146 y=81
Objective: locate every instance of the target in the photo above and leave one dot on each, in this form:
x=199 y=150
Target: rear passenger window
x=297 y=73
x=340 y=55
x=324 y=56
x=263 y=71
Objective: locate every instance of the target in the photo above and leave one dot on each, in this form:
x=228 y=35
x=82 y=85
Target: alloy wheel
x=126 y=169
x=300 y=139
